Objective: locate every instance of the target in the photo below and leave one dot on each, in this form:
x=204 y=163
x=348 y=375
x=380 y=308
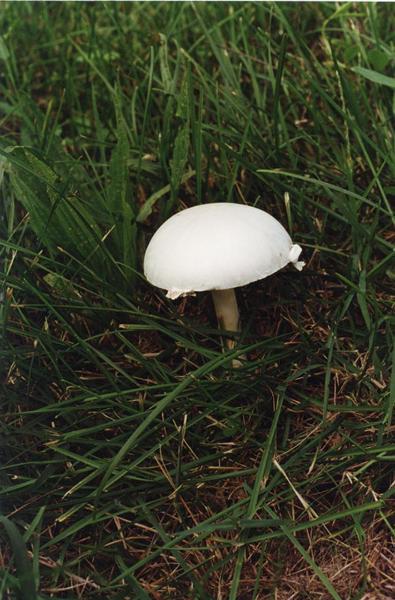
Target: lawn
x=135 y=461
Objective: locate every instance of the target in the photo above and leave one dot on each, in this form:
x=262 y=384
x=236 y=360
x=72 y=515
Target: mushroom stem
x=226 y=309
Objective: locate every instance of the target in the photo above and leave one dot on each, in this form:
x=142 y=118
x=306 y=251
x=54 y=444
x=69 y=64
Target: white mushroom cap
x=215 y=247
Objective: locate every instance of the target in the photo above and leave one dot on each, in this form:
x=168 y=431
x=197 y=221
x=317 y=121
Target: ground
x=136 y=462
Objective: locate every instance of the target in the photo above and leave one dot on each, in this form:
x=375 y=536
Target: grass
x=135 y=462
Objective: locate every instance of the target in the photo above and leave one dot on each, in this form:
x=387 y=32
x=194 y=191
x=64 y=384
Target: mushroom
x=218 y=247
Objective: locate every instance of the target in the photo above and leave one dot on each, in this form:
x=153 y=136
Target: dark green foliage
x=134 y=461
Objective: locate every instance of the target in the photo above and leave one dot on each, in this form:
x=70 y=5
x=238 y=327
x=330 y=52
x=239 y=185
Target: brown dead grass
x=284 y=575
